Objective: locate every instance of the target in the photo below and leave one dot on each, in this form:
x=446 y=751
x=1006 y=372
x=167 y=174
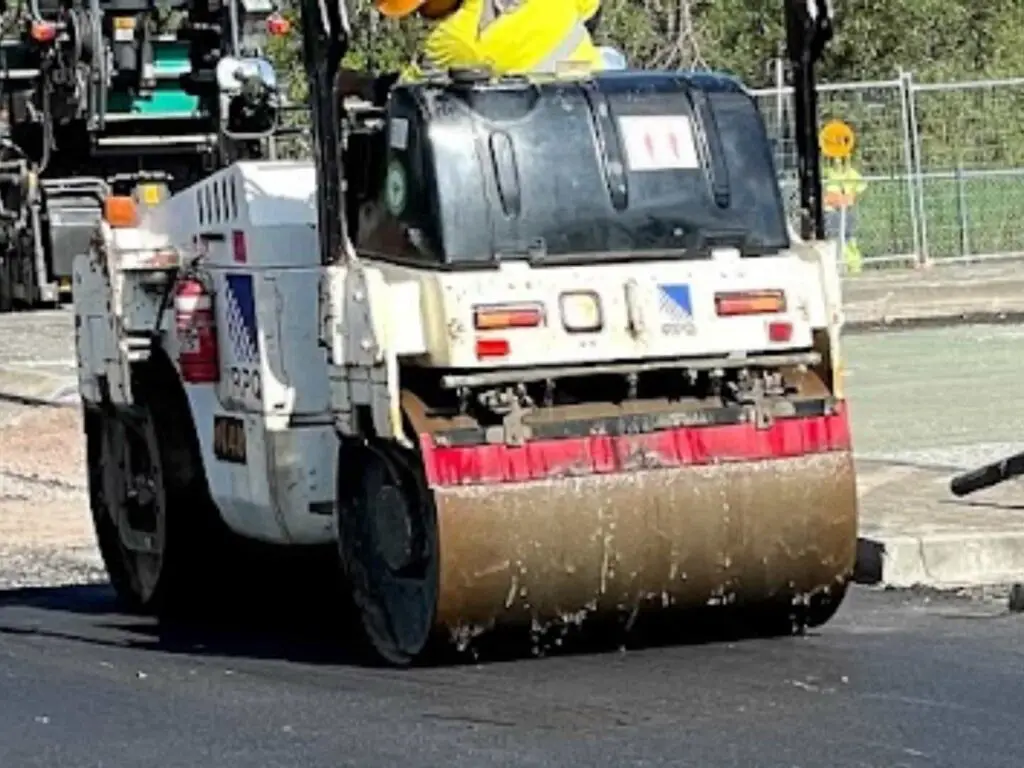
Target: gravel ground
x=45 y=534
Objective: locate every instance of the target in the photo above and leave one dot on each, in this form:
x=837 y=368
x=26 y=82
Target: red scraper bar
x=599 y=454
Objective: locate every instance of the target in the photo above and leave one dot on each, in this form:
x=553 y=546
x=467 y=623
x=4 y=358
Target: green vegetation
x=936 y=39
x=963 y=216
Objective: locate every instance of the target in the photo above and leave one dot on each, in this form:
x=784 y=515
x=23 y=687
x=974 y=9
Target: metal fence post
x=961 y=212
x=911 y=156
x=924 y=259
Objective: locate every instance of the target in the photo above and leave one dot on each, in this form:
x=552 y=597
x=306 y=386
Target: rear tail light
x=278 y=25
x=43 y=31
x=581 y=311
x=749 y=303
x=490 y=348
x=780 y=332
x=500 y=317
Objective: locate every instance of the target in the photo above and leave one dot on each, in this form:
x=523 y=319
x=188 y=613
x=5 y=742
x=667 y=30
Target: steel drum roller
x=558 y=530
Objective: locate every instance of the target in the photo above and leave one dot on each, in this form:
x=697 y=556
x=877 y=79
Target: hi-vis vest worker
x=507 y=36
x=843 y=185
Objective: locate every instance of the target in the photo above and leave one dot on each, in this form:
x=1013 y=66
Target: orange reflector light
x=43 y=31
x=278 y=25
x=486 y=348
x=493 y=317
x=780 y=332
x=120 y=211
x=749 y=303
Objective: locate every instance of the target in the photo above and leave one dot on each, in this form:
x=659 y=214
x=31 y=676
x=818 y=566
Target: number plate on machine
x=229 y=439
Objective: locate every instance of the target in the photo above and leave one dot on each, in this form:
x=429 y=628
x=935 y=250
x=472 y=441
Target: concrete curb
x=941 y=295
x=946 y=561
x=935 y=320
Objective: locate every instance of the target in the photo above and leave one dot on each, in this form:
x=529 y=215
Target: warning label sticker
x=659 y=143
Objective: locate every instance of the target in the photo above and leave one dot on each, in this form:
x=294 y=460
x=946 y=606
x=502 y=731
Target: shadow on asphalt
x=316 y=627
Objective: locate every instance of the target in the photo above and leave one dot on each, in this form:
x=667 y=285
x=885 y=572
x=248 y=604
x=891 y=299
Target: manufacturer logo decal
x=240 y=314
x=395 y=189
x=675 y=307
x=240 y=319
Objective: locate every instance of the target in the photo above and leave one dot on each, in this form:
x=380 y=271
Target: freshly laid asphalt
x=897 y=679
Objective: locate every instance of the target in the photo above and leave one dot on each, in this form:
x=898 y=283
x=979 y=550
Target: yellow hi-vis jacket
x=843 y=184
x=537 y=36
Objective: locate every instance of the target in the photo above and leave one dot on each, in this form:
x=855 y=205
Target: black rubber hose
x=988 y=475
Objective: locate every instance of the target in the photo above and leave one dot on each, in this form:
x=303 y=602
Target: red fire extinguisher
x=196 y=326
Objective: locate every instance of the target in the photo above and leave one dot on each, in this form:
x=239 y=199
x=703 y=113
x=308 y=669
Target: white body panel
x=684 y=326
x=303 y=346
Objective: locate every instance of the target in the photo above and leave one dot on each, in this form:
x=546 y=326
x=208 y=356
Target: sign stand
x=837 y=141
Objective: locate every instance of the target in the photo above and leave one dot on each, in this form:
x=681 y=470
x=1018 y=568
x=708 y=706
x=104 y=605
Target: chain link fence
x=942 y=165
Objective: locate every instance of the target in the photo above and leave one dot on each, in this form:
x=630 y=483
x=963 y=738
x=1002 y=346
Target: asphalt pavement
x=896 y=680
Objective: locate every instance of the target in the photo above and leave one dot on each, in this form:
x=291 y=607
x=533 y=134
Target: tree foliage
x=936 y=39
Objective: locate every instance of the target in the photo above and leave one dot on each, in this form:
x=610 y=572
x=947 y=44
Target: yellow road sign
x=836 y=140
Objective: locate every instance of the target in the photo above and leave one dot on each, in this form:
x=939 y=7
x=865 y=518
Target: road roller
x=518 y=352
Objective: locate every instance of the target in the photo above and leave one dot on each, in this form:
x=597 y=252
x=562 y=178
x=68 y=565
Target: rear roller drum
x=129 y=505
x=387 y=535
x=157 y=530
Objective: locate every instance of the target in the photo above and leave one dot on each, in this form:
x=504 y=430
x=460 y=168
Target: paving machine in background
x=119 y=97
x=527 y=353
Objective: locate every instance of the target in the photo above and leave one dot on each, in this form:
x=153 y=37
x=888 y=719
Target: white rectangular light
x=581 y=311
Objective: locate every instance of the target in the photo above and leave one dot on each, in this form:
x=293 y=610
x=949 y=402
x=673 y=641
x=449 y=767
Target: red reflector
x=749 y=303
x=278 y=25
x=780 y=331
x=496 y=317
x=43 y=31
x=238 y=247
x=491 y=348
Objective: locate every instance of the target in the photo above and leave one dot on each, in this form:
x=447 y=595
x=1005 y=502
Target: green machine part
x=170 y=59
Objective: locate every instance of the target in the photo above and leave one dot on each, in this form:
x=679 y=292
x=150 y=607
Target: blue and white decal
x=243 y=374
x=675 y=307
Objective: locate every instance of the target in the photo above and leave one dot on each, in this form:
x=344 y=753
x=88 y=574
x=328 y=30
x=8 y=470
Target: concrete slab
x=915 y=532
x=37 y=361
